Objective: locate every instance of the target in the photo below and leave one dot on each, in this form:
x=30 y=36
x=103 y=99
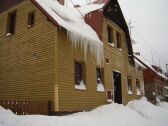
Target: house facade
x=38 y=62
x=155 y=82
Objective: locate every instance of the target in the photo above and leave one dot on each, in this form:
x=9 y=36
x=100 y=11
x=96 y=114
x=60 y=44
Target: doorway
x=117 y=87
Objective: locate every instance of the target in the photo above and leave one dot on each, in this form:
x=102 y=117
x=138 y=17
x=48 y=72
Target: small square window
x=11 y=23
x=129 y=82
x=31 y=19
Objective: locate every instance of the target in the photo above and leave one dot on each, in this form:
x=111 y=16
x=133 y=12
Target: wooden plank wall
x=38 y=63
x=71 y=99
x=27 y=107
x=27 y=58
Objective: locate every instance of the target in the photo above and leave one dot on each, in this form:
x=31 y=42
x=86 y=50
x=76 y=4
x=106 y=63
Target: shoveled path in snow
x=136 y=113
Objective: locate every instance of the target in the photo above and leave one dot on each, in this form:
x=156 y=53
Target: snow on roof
x=80 y=33
x=140 y=64
x=150 y=67
x=71 y=3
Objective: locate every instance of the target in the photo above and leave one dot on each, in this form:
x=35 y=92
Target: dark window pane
x=31 y=18
x=100 y=75
x=11 y=23
x=109 y=34
x=109 y=95
x=78 y=73
x=118 y=40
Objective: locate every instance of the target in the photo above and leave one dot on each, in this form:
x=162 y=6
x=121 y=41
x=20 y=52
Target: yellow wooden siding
x=71 y=99
x=38 y=63
x=27 y=58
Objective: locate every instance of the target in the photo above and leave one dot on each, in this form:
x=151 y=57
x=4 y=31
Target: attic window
x=31 y=18
x=11 y=23
x=110 y=34
x=118 y=35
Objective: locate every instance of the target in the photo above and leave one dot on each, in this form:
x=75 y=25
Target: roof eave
x=45 y=13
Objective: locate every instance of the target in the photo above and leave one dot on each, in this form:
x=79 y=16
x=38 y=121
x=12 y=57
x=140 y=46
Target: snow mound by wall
x=147 y=109
x=136 y=113
x=164 y=105
x=5 y=112
x=80 y=33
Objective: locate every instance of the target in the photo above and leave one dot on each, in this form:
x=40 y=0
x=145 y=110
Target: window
x=118 y=35
x=100 y=75
x=109 y=95
x=31 y=17
x=110 y=34
x=11 y=24
x=129 y=85
x=79 y=76
x=100 y=79
x=138 y=87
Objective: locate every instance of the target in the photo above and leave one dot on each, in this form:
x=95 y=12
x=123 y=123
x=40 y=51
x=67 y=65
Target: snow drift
x=80 y=33
x=136 y=113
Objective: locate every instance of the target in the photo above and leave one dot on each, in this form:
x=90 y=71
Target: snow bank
x=80 y=33
x=5 y=112
x=136 y=113
x=163 y=105
x=146 y=109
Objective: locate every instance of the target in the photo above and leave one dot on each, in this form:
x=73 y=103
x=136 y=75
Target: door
x=117 y=87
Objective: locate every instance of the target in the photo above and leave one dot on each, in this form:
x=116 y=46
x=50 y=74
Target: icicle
x=95 y=47
x=80 y=33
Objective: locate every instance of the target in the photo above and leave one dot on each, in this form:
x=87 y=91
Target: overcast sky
x=150 y=22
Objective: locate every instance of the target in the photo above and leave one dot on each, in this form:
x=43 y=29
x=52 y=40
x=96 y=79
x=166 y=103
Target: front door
x=117 y=87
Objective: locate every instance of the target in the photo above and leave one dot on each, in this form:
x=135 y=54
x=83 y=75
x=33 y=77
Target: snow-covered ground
x=136 y=113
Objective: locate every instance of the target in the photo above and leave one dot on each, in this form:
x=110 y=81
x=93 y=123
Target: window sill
x=109 y=100
x=100 y=88
x=130 y=92
x=81 y=86
x=29 y=26
x=111 y=44
x=119 y=49
x=138 y=92
x=8 y=34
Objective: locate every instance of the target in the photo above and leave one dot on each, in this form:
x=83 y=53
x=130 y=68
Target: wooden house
x=37 y=61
